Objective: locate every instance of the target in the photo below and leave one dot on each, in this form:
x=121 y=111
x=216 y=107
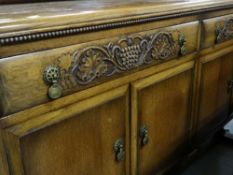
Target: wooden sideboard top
x=19 y=19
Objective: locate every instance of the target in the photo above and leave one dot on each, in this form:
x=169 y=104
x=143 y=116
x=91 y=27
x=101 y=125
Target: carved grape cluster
x=130 y=55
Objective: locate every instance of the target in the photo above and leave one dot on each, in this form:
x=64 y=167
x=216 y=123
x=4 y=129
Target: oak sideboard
x=112 y=87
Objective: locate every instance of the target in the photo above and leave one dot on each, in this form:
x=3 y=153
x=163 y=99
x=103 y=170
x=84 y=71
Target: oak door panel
x=214 y=95
x=77 y=139
x=162 y=103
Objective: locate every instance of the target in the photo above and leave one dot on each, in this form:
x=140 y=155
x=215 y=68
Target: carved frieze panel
x=98 y=61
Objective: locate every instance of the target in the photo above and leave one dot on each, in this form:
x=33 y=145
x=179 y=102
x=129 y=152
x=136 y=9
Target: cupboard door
x=86 y=138
x=160 y=114
x=216 y=73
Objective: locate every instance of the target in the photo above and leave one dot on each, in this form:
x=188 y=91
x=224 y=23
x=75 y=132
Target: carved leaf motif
x=224 y=32
x=98 y=61
x=229 y=28
x=90 y=66
x=164 y=47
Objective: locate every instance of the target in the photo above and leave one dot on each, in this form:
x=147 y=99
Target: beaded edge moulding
x=71 y=31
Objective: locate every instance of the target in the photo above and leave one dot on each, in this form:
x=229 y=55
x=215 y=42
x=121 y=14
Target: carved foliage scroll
x=224 y=31
x=91 y=63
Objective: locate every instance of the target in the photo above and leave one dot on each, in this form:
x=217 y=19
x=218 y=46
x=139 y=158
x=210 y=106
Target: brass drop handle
x=229 y=86
x=143 y=133
x=52 y=77
x=119 y=149
x=182 y=43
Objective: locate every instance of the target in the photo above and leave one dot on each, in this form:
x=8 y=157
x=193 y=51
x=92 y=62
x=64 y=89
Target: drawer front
x=217 y=30
x=87 y=137
x=24 y=82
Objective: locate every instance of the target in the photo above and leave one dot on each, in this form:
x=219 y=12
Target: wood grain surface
x=179 y=97
x=46 y=16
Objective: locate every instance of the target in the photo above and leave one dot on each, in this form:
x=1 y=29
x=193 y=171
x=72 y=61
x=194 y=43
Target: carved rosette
x=89 y=65
x=224 y=31
x=164 y=46
x=95 y=62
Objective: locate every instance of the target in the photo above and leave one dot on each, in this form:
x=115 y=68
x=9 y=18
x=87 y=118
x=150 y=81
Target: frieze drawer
x=35 y=78
x=217 y=30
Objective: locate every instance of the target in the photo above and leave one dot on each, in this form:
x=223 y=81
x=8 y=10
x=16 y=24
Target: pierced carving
x=225 y=31
x=94 y=62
